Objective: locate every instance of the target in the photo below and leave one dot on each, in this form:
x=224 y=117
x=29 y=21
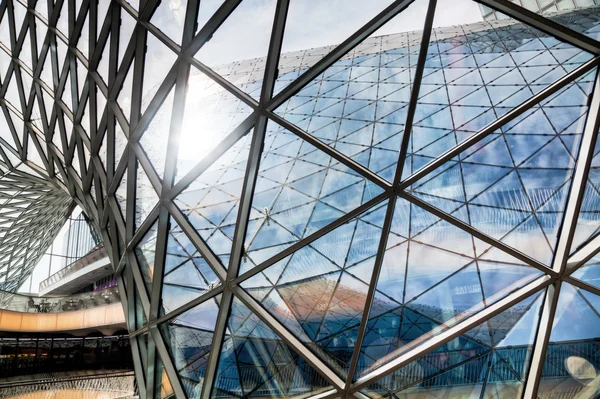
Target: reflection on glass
x=145 y=252
x=319 y=292
x=589 y=272
x=157 y=63
x=145 y=196
x=169 y=17
x=211 y=113
x=299 y=190
x=188 y=338
x=572 y=362
x=513 y=185
x=210 y=203
x=163 y=388
x=489 y=361
x=433 y=275
x=241 y=58
x=186 y=273
x=588 y=222
x=254 y=361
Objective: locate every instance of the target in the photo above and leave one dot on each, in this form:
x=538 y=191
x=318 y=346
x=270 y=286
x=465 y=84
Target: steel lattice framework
x=395 y=215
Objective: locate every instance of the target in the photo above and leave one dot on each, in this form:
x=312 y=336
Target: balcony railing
x=119 y=385
x=95 y=254
x=70 y=303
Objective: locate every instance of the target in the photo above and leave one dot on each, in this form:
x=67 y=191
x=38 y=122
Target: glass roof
x=376 y=199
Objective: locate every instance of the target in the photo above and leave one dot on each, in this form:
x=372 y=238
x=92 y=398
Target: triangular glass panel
x=299 y=190
x=25 y=53
x=253 y=360
x=5 y=61
x=571 y=361
x=121 y=194
x=513 y=184
x=125 y=34
x=211 y=202
x=169 y=17
x=12 y=93
x=140 y=315
x=103 y=64
x=207 y=10
x=157 y=63
x=120 y=143
x=125 y=93
x=585 y=20
x=32 y=152
x=589 y=272
x=588 y=221
x=188 y=338
x=485 y=72
x=145 y=196
x=5 y=132
x=101 y=14
x=63 y=20
x=20 y=12
x=358 y=105
x=320 y=291
x=211 y=113
x=187 y=275
x=5 y=29
x=84 y=38
x=300 y=51
x=162 y=384
x=67 y=95
x=463 y=367
x=433 y=274
x=145 y=252
x=155 y=139
x=228 y=51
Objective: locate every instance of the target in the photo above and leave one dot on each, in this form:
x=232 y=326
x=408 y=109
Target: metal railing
x=114 y=385
x=69 y=303
x=92 y=256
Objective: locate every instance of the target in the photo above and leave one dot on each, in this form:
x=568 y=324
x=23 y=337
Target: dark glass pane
x=254 y=361
x=188 y=338
x=572 y=359
x=489 y=361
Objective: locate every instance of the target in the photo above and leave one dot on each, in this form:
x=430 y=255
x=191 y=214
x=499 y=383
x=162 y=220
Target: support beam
x=541 y=341
x=443 y=334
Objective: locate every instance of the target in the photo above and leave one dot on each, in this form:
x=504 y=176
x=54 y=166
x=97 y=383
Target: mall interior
x=334 y=199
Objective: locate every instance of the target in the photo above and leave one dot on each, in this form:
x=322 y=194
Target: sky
x=317 y=23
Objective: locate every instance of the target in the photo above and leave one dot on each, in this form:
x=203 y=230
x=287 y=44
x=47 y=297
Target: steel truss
x=82 y=131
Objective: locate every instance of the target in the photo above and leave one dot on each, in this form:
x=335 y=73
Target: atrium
x=300 y=198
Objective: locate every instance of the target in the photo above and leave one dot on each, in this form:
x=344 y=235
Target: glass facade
x=540 y=6
x=400 y=215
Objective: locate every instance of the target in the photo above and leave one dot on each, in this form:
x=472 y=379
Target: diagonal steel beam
x=541 y=341
x=498 y=123
x=578 y=184
x=435 y=339
x=367 y=30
